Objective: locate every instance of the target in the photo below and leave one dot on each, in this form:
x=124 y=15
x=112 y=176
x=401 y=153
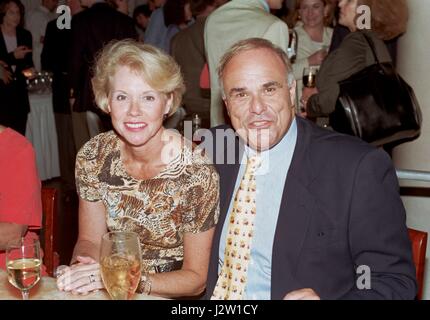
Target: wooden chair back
x=419 y=247
x=50 y=244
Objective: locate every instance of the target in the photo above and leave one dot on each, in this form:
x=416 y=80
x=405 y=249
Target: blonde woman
x=125 y=183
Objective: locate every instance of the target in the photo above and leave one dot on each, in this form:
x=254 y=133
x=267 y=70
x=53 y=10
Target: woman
x=137 y=179
x=15 y=51
x=388 y=20
x=314 y=36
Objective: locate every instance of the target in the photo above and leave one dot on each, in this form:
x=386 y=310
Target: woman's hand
x=317 y=58
x=306 y=94
x=20 y=52
x=82 y=277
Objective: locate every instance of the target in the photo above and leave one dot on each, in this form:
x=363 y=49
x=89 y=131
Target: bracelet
x=145 y=284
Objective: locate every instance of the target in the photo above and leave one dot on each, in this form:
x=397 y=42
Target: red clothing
x=20 y=198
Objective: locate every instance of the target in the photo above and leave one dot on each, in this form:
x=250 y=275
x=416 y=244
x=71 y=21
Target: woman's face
x=13 y=16
x=136 y=109
x=348 y=11
x=312 y=13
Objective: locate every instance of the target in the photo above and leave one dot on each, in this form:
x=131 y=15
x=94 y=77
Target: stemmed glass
x=309 y=75
x=23 y=265
x=120 y=264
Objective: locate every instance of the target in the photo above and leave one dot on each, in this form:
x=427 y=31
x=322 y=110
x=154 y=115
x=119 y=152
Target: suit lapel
x=297 y=206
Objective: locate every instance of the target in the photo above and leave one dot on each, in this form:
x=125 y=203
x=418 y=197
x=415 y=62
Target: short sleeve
x=201 y=200
x=87 y=182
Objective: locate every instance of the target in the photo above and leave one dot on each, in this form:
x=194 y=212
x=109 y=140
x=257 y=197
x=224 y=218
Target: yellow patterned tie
x=233 y=277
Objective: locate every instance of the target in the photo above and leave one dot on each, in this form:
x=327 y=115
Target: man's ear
x=227 y=106
x=293 y=92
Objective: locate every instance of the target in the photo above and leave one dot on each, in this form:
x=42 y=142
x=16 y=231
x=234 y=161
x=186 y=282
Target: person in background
x=141 y=15
x=304 y=210
x=154 y=33
x=188 y=49
x=5 y=75
x=311 y=19
x=143 y=178
x=234 y=21
x=388 y=20
x=20 y=191
x=91 y=30
x=15 y=52
x=120 y=5
x=55 y=58
x=36 y=23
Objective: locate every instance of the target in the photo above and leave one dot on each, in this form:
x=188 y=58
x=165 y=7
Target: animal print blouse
x=183 y=197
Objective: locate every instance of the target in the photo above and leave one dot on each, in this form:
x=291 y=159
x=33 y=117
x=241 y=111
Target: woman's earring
x=165 y=116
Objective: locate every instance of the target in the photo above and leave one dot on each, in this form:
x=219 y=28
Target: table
x=42 y=133
x=46 y=289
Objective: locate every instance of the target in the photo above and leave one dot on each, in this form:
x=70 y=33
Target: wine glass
x=120 y=264
x=23 y=265
x=309 y=75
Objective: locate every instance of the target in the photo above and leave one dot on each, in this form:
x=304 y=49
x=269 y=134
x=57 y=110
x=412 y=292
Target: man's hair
x=158 y=69
x=253 y=44
x=389 y=18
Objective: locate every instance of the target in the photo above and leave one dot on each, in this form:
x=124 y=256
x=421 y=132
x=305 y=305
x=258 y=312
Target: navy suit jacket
x=340 y=209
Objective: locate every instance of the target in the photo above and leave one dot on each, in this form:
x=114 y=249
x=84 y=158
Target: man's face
x=258 y=98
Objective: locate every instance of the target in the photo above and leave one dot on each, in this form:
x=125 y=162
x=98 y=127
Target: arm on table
x=92 y=226
x=11 y=233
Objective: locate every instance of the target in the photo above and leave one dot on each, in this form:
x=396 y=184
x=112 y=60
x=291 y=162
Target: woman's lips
x=135 y=126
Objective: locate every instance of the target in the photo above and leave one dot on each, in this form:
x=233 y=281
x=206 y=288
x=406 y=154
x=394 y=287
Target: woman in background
x=15 y=52
x=388 y=20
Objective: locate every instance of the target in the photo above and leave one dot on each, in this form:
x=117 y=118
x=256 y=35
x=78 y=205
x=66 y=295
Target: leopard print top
x=183 y=197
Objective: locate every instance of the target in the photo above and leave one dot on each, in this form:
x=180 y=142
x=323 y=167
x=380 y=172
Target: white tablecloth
x=42 y=133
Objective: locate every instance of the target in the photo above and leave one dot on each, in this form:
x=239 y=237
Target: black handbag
x=377 y=105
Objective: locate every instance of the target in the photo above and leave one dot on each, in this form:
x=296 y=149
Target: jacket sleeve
x=340 y=64
x=378 y=236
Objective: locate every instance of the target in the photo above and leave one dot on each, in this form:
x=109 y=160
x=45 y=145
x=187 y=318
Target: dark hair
x=3 y=9
x=389 y=17
x=173 y=12
x=142 y=9
x=198 y=6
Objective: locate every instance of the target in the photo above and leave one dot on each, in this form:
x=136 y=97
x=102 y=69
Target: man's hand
x=302 y=294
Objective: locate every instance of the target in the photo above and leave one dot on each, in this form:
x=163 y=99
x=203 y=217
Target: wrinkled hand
x=317 y=58
x=80 y=278
x=21 y=51
x=302 y=294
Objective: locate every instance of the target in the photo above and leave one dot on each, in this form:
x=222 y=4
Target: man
x=55 y=58
x=234 y=21
x=324 y=214
x=188 y=49
x=91 y=30
x=36 y=24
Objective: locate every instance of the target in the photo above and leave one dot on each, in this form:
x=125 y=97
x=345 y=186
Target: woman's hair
x=295 y=16
x=158 y=69
x=174 y=12
x=389 y=18
x=3 y=8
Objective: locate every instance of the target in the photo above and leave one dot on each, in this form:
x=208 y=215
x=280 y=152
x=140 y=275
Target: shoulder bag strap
x=372 y=46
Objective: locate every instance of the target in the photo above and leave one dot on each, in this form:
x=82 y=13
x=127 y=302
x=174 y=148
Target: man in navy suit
x=329 y=220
